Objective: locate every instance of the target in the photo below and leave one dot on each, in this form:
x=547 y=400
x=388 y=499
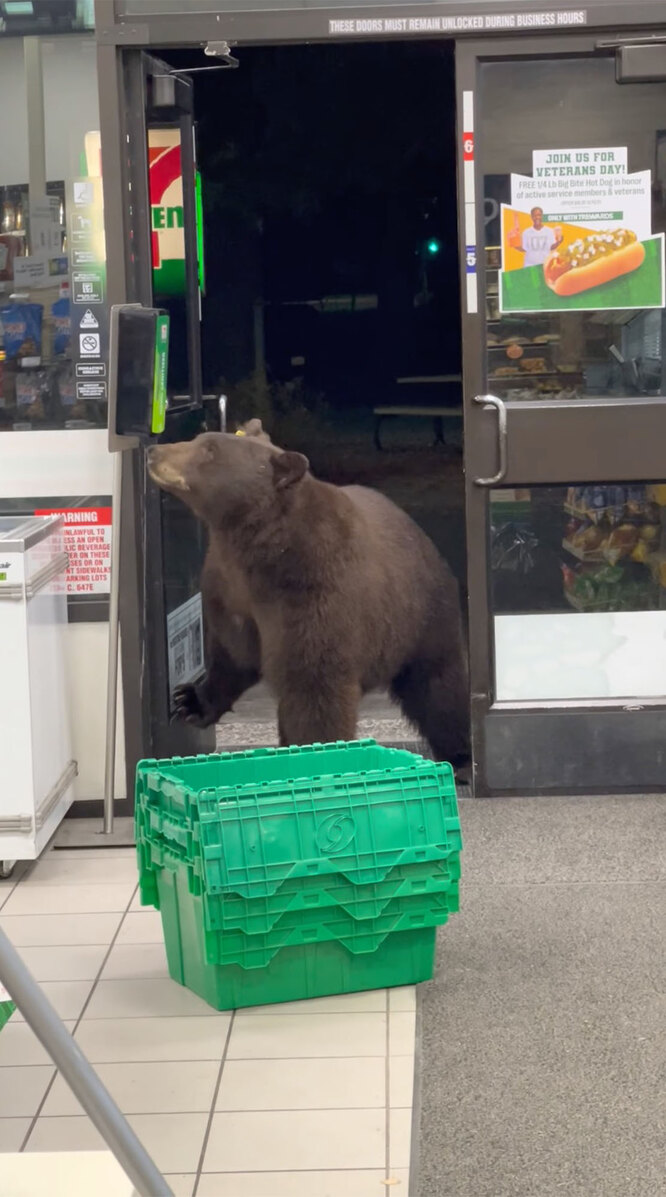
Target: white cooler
x=36 y=766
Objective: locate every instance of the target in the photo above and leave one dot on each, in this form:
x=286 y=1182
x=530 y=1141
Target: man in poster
x=537 y=241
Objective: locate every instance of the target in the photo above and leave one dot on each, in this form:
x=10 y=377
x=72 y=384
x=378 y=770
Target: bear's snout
x=165 y=468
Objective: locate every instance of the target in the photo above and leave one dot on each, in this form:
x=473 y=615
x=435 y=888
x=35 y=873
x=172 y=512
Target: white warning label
x=87 y=535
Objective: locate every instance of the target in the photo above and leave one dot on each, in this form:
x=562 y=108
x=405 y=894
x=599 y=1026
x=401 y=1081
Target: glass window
x=44 y=18
x=87 y=536
x=568 y=353
x=578 y=587
x=53 y=368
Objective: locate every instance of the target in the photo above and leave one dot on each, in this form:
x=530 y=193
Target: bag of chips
x=62 y=326
x=22 y=329
x=32 y=394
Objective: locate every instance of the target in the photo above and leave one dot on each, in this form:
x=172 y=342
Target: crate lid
x=250 y=837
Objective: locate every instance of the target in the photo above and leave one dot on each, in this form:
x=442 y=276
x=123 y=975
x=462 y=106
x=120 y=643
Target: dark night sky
x=325 y=169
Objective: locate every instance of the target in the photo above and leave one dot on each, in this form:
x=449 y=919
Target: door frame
x=551 y=722
x=127 y=222
x=239 y=26
x=118 y=39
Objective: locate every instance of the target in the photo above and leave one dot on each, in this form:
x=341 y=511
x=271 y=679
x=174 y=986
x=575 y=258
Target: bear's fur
x=327 y=592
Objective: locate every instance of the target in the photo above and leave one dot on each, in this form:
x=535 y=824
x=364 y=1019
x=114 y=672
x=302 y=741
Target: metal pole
x=80 y=1076
x=112 y=667
x=259 y=336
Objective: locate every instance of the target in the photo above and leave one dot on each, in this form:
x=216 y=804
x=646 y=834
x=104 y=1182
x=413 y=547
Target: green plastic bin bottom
x=6 y=1011
x=295 y=973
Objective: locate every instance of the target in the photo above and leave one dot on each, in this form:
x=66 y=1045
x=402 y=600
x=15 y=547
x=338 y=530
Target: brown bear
x=326 y=592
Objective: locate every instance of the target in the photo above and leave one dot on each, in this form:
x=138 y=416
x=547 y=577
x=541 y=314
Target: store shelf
x=583 y=608
x=582 y=513
x=523 y=374
x=521 y=318
x=596 y=557
x=518 y=340
x=513 y=341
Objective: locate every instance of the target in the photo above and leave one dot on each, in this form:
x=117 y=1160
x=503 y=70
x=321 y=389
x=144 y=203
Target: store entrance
x=332 y=283
x=329 y=308
x=564 y=409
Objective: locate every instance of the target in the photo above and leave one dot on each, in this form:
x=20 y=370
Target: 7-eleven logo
x=166 y=210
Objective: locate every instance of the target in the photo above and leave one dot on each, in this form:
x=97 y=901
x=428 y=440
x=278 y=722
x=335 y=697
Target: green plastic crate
x=257 y=819
x=292 y=873
x=295 y=973
x=6 y=1011
x=258 y=950
x=312 y=896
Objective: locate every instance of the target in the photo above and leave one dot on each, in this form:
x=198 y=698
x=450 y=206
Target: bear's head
x=254 y=428
x=227 y=478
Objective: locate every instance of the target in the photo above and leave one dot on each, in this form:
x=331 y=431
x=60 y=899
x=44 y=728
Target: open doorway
x=332 y=306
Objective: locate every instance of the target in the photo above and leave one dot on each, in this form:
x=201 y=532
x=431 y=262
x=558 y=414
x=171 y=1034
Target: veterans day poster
x=577 y=235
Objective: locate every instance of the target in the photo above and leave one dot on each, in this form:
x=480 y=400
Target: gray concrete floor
x=542 y=1040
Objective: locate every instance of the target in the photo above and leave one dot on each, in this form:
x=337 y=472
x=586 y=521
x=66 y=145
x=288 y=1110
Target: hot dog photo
x=577 y=236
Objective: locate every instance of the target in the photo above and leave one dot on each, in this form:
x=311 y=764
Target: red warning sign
x=87 y=532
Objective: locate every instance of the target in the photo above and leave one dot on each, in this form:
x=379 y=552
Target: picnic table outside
x=438 y=413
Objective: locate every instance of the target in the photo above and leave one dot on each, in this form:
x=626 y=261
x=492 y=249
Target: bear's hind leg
x=318 y=715
x=222 y=685
x=435 y=699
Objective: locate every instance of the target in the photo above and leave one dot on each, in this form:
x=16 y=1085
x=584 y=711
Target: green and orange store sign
x=166 y=213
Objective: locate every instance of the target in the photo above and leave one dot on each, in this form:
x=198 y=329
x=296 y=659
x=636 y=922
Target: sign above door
x=488 y=22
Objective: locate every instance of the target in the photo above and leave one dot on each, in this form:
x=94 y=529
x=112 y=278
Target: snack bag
x=62 y=326
x=66 y=387
x=32 y=392
x=22 y=328
x=7 y=252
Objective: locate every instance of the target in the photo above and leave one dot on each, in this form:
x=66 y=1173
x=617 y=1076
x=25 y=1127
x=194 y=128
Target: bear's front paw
x=191 y=707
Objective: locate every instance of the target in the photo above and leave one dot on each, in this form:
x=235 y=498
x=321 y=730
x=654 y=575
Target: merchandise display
x=615 y=532
x=590 y=548
x=38 y=385
x=524 y=352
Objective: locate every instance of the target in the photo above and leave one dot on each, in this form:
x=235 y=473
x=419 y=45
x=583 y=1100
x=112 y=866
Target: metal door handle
x=492 y=401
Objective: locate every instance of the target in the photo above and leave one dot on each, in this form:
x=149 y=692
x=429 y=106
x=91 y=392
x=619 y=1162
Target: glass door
x=563 y=191
x=153 y=219
x=176 y=248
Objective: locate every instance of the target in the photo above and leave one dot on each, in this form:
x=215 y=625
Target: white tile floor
x=307 y=1099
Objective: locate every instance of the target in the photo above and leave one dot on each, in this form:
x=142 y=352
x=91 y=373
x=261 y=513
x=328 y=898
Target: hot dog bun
x=582 y=278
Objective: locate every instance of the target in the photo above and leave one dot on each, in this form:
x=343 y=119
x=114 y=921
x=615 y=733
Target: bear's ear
x=253 y=428
x=288 y=469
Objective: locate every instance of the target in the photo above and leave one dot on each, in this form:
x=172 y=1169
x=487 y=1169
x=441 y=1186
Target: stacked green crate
x=293 y=873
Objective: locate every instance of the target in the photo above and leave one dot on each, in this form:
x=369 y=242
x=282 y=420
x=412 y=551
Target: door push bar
x=488 y=401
